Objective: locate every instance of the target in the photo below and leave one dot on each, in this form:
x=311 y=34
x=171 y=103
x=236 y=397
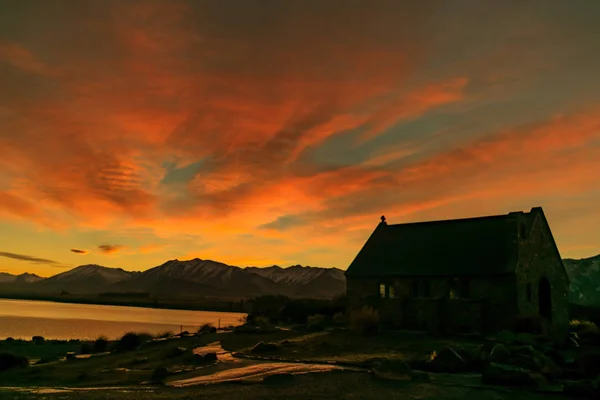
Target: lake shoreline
x=20 y=318
x=199 y=304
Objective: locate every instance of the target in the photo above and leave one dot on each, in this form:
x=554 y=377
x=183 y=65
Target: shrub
x=131 y=341
x=261 y=321
x=364 y=321
x=38 y=340
x=164 y=335
x=316 y=322
x=159 y=375
x=207 y=328
x=339 y=318
x=533 y=324
x=100 y=344
x=86 y=348
x=584 y=326
x=9 y=360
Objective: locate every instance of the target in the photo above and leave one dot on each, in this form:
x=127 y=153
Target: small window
x=529 y=292
x=387 y=291
x=382 y=290
x=523 y=231
x=414 y=289
x=425 y=289
x=464 y=289
x=453 y=293
x=459 y=289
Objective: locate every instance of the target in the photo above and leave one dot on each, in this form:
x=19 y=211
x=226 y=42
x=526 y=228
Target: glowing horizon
x=132 y=133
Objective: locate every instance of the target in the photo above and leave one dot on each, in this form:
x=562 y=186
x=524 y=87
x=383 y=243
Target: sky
x=278 y=132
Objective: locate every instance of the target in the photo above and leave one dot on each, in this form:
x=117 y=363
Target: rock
x=475 y=356
x=263 y=347
x=206 y=357
x=573 y=339
x=140 y=360
x=284 y=377
x=509 y=375
x=286 y=343
x=532 y=359
x=538 y=380
x=506 y=337
x=446 y=360
x=581 y=389
x=420 y=376
x=394 y=365
x=159 y=375
x=389 y=376
x=176 y=352
x=499 y=353
x=589 y=364
x=550 y=369
x=527 y=338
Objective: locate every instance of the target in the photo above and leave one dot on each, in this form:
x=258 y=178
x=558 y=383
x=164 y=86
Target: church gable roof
x=471 y=246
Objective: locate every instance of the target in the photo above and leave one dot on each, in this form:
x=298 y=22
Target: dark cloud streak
x=36 y=260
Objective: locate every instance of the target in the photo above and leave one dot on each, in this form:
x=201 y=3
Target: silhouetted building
x=466 y=275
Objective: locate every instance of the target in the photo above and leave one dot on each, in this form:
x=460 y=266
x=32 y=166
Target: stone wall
x=491 y=305
x=538 y=258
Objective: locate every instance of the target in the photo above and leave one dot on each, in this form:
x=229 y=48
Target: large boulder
x=510 y=375
x=589 y=364
x=580 y=389
x=390 y=369
x=262 y=347
x=500 y=353
x=532 y=359
x=446 y=360
x=506 y=337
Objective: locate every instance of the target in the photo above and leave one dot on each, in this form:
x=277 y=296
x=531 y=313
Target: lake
x=22 y=319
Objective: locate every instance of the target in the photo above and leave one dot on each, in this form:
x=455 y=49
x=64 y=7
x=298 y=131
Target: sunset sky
x=278 y=132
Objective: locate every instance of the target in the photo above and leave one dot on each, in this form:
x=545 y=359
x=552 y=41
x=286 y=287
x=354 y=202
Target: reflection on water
x=25 y=318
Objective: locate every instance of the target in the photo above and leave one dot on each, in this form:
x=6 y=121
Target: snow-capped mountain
x=296 y=273
x=23 y=278
x=197 y=278
x=584 y=275
x=85 y=279
x=296 y=280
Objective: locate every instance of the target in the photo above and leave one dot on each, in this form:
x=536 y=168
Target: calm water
x=24 y=319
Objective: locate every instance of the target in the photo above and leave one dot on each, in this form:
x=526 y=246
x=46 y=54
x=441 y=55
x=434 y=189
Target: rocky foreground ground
x=270 y=363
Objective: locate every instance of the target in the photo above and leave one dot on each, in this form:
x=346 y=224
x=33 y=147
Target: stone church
x=464 y=275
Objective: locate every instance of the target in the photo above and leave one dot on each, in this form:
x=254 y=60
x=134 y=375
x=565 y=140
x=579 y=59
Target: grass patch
x=131 y=341
x=364 y=321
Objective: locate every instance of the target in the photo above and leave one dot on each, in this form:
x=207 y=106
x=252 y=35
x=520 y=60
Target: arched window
x=523 y=229
x=387 y=291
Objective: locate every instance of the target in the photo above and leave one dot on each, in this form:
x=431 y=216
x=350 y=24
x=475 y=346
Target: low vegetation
x=364 y=321
x=9 y=360
x=131 y=341
x=207 y=328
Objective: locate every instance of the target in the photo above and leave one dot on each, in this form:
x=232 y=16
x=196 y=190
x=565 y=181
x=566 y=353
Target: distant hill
x=584 y=275
x=84 y=279
x=296 y=280
x=195 y=278
x=214 y=279
x=17 y=279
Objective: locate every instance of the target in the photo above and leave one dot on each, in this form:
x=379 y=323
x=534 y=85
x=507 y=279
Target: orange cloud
x=79 y=251
x=297 y=131
x=109 y=248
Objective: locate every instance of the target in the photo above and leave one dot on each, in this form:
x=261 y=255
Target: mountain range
x=584 y=275
x=191 y=278
x=207 y=278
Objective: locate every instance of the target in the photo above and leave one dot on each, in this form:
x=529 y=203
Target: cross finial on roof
x=383 y=219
